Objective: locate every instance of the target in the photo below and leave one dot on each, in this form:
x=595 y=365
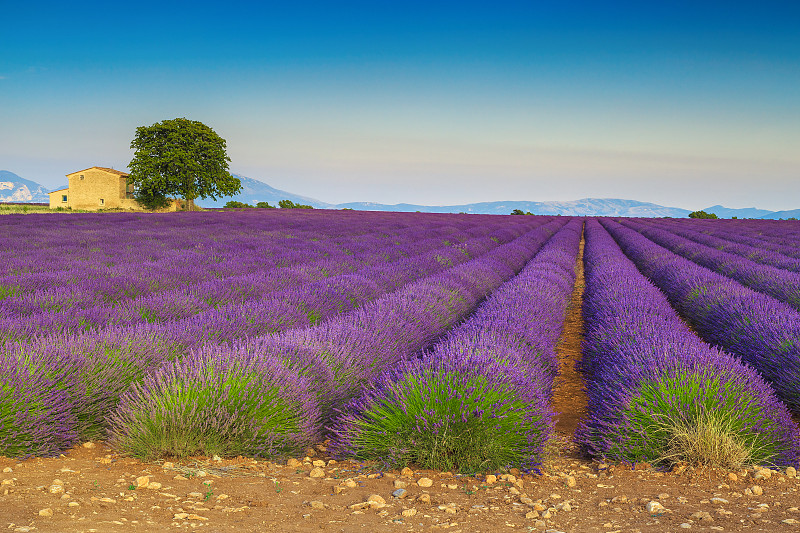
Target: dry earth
x=90 y=488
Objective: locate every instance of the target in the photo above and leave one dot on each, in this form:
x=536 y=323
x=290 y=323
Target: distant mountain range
x=16 y=189
x=254 y=191
x=775 y=215
x=746 y=212
x=751 y=212
x=605 y=207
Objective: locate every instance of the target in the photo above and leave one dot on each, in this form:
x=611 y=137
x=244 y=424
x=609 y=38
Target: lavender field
x=404 y=338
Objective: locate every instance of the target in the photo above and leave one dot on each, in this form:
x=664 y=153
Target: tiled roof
x=111 y=170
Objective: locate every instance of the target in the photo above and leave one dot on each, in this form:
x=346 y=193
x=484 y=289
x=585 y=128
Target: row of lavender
x=779 y=236
x=775 y=281
x=253 y=296
x=199 y=258
x=657 y=392
x=480 y=398
x=222 y=299
x=753 y=248
x=127 y=353
x=285 y=387
x=86 y=386
x=761 y=330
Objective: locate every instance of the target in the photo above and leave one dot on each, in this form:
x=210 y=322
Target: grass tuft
x=712 y=441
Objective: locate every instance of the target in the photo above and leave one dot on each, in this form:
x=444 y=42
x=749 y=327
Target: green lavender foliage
x=447 y=420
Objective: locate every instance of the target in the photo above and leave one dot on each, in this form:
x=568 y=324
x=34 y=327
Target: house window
x=81 y=176
x=63 y=197
x=102 y=202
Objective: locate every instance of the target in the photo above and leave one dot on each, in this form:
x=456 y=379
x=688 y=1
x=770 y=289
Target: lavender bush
x=223 y=405
x=38 y=397
x=460 y=412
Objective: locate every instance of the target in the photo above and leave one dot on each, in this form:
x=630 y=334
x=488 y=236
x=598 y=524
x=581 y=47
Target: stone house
x=95 y=188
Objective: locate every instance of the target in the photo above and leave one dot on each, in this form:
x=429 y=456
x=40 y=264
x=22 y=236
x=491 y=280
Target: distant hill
x=16 y=189
x=254 y=191
x=745 y=212
x=793 y=213
x=606 y=207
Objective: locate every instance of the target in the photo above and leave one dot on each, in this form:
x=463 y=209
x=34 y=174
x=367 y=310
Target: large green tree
x=180 y=157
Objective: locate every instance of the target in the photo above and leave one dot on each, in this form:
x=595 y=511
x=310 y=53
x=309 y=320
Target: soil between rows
x=569 y=396
x=96 y=490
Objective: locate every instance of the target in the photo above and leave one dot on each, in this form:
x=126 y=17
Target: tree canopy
x=288 y=204
x=235 y=204
x=701 y=214
x=179 y=157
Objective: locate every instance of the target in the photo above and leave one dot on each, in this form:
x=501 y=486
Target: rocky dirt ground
x=91 y=489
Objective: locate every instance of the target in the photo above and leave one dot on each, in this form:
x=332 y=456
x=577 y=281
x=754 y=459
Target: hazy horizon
x=679 y=105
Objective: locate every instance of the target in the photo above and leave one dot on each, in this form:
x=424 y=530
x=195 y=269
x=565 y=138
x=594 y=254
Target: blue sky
x=681 y=103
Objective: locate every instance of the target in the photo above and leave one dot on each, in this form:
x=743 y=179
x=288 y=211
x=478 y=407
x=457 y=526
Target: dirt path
x=569 y=398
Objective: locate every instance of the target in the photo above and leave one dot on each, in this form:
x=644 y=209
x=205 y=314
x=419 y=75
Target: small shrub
x=151 y=199
x=702 y=214
x=288 y=204
x=106 y=375
x=7 y=291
